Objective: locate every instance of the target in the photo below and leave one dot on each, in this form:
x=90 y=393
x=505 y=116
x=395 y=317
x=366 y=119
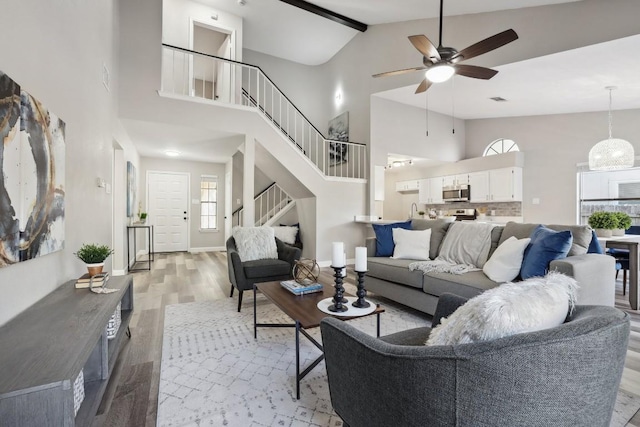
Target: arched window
x=500 y=146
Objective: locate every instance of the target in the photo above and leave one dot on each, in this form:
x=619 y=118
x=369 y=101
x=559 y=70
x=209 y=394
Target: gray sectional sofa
x=391 y=278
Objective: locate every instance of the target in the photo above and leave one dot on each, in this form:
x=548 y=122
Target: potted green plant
x=603 y=223
x=142 y=217
x=93 y=256
x=624 y=222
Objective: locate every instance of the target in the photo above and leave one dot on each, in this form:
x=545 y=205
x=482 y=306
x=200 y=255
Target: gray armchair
x=243 y=275
x=564 y=376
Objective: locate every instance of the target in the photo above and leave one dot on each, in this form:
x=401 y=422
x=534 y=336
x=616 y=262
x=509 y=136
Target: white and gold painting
x=32 y=178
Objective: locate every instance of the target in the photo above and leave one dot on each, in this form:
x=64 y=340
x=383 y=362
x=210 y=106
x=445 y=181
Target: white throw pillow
x=504 y=265
x=286 y=234
x=411 y=244
x=512 y=308
x=255 y=243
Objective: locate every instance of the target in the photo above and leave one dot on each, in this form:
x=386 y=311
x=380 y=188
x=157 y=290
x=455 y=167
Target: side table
x=150 y=252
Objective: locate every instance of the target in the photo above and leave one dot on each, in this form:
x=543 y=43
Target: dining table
x=629 y=242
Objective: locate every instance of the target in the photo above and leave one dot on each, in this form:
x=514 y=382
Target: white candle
x=361 y=258
x=344 y=262
x=337 y=259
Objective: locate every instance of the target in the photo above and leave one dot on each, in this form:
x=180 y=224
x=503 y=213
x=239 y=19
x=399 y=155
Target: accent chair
x=563 y=376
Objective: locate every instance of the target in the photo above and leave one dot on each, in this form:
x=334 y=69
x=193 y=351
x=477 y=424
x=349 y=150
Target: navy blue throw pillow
x=384 y=236
x=546 y=245
x=594 y=246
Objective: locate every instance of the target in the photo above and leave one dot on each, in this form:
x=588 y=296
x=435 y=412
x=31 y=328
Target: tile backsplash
x=501 y=209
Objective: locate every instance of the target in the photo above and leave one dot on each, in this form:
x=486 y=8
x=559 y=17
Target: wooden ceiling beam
x=328 y=14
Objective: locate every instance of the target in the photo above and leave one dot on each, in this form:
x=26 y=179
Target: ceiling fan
x=442 y=62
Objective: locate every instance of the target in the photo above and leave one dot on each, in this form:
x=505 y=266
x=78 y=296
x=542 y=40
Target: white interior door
x=168 y=195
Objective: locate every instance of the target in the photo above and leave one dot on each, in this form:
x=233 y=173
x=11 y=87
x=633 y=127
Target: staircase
x=210 y=78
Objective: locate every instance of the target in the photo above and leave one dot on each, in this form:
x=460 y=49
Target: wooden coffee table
x=303 y=310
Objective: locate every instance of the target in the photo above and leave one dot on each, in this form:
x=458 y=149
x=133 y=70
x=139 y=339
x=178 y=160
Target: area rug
x=214 y=373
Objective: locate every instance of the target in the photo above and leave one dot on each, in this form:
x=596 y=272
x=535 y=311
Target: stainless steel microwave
x=456 y=193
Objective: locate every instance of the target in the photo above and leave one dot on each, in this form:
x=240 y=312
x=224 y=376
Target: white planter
x=603 y=232
x=617 y=232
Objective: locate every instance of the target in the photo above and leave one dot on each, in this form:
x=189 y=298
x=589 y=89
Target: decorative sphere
x=306 y=271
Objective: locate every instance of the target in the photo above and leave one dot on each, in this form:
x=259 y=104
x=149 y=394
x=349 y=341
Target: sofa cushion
x=384 y=236
x=581 y=234
x=496 y=233
x=512 y=308
x=438 y=228
x=266 y=268
x=285 y=233
x=394 y=270
x=466 y=285
x=546 y=245
x=411 y=244
x=595 y=247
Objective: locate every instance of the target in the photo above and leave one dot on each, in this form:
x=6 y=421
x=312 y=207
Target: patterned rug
x=214 y=373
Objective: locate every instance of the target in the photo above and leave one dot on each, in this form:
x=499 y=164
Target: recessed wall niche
x=32 y=176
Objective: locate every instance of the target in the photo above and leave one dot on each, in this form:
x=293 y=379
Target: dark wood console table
x=45 y=347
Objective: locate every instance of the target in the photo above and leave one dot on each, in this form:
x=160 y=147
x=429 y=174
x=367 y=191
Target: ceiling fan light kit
x=611 y=153
x=439 y=73
x=447 y=58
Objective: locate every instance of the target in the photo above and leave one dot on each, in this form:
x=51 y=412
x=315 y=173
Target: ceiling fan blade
x=474 y=71
x=486 y=45
x=397 y=72
x=424 y=45
x=424 y=85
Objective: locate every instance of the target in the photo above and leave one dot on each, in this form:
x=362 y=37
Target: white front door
x=168 y=194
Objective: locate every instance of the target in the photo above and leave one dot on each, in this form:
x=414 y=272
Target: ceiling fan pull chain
x=453 y=107
x=426 y=97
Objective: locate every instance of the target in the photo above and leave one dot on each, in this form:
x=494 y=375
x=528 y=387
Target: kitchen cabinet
x=453 y=180
x=430 y=191
x=408 y=186
x=505 y=185
x=479 y=184
x=496 y=185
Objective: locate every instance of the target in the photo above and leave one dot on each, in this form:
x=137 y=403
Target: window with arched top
x=500 y=146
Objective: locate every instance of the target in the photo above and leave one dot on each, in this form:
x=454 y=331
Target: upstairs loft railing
x=208 y=77
x=268 y=204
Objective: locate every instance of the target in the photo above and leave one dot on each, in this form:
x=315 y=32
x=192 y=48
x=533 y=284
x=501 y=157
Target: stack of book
x=300 y=289
x=86 y=280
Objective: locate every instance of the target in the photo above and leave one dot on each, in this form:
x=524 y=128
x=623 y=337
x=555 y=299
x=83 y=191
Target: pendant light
x=611 y=153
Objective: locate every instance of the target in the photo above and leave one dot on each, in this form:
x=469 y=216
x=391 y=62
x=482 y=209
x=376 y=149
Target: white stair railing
x=192 y=74
x=267 y=205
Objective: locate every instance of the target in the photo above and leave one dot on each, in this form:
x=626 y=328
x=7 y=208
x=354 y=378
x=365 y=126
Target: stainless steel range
x=463 y=214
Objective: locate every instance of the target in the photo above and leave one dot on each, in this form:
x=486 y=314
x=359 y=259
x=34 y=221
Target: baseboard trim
x=118 y=273
x=328 y=263
x=207 y=249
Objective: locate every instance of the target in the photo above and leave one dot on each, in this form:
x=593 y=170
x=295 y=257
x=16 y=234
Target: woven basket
x=78 y=392
x=114 y=322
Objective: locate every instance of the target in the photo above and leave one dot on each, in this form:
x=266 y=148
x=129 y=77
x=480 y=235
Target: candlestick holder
x=361 y=293
x=338 y=299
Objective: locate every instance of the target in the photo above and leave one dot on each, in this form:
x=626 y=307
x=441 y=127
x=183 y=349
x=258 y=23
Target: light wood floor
x=132 y=397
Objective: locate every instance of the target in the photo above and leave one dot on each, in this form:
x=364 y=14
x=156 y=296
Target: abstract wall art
x=131 y=189
x=32 y=176
x=338 y=131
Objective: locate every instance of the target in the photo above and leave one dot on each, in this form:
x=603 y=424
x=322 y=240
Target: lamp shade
x=611 y=154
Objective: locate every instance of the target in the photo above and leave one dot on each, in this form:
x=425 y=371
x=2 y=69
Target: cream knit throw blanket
x=465 y=248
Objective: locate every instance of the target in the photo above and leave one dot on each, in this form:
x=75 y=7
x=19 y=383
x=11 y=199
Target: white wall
x=198 y=240
x=56 y=50
x=553 y=147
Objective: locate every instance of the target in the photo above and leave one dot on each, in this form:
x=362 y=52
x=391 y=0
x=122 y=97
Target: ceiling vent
x=498 y=99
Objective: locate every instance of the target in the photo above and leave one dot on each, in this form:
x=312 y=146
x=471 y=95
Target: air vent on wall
x=498 y=99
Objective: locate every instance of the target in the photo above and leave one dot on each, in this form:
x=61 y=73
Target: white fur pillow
x=504 y=265
x=512 y=308
x=286 y=234
x=411 y=244
x=255 y=243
